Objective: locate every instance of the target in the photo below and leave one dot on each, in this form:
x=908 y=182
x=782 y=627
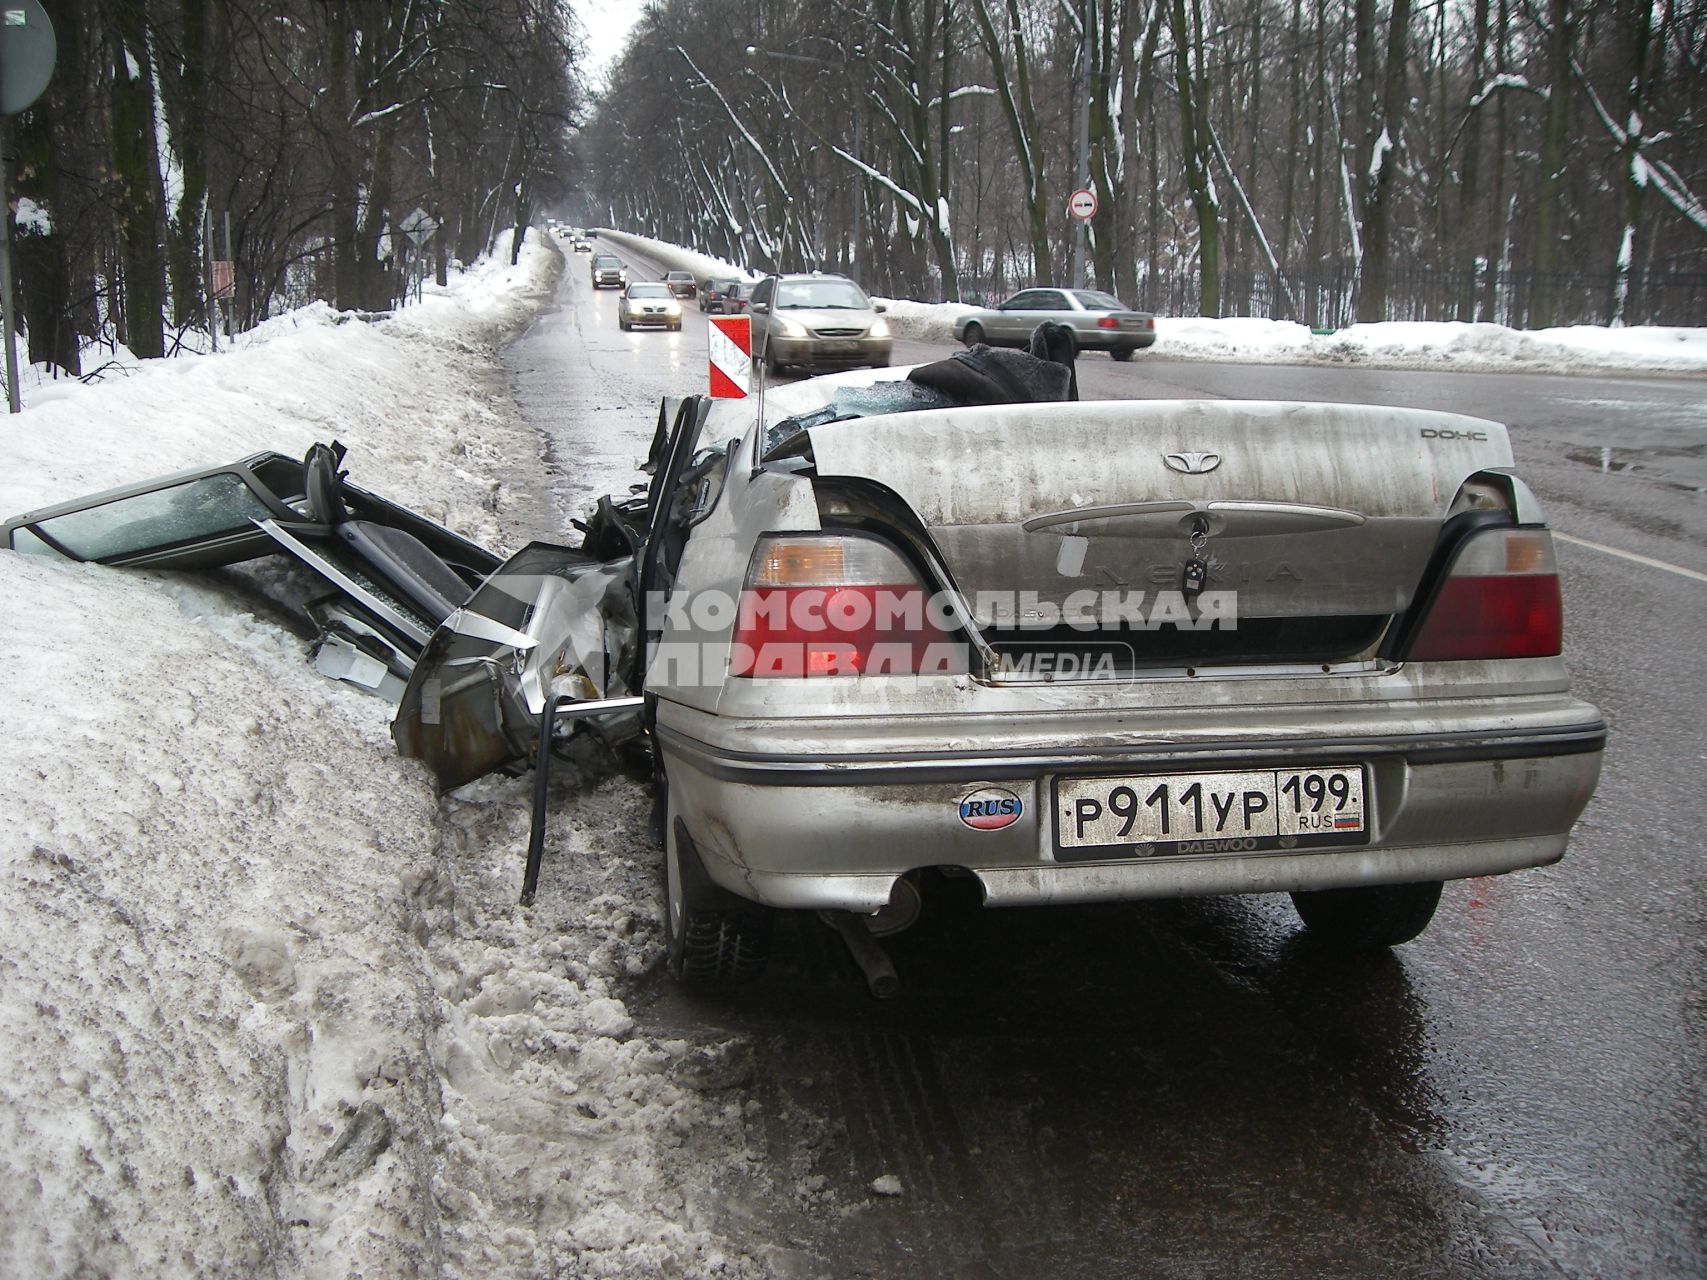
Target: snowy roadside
x=269 y=1006
x=1482 y=348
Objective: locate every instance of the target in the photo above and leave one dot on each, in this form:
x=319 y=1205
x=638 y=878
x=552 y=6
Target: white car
x=648 y=303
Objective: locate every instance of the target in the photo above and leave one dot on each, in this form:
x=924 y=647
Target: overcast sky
x=607 y=23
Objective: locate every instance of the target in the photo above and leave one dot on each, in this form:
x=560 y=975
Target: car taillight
x=824 y=605
x=1108 y=322
x=1501 y=600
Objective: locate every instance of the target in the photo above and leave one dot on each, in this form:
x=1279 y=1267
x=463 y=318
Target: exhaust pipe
x=880 y=976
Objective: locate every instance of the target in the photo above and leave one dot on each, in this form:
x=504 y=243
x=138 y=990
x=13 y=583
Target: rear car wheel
x=974 y=334
x=711 y=937
x=1122 y=353
x=1368 y=919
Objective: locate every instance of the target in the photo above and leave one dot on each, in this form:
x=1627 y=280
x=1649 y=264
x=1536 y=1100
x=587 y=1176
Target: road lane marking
x=1631 y=555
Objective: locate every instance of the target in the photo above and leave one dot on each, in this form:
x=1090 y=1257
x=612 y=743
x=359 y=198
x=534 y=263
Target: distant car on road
x=722 y=296
x=580 y=246
x=648 y=302
x=1099 y=321
x=608 y=271
x=681 y=283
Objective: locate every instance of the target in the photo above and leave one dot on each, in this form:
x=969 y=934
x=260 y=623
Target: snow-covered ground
x=1480 y=347
x=267 y=1007
x=267 y=1004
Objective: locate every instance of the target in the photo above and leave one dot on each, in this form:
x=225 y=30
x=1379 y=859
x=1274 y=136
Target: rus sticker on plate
x=1198 y=813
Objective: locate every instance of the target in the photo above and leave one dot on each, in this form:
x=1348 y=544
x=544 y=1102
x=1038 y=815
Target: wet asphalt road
x=1190 y=1089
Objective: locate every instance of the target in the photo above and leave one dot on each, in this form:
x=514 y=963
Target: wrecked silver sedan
x=1076 y=651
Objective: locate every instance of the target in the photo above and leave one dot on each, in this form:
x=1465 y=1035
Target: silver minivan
x=817 y=321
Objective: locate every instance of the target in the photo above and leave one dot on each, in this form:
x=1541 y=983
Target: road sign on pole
x=1082 y=204
x=418 y=226
x=731 y=356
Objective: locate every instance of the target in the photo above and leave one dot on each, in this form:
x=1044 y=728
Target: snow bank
x=269 y=1007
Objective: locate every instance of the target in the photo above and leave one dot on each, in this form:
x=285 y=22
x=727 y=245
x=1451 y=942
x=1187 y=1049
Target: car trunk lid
x=1308 y=511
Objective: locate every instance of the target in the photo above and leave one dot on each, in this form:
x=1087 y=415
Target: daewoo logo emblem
x=1192 y=464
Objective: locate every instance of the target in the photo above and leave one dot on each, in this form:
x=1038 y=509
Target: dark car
x=608 y=271
x=726 y=297
x=681 y=283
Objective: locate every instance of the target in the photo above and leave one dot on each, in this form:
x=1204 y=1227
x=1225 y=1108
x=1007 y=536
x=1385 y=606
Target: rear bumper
x=1114 y=339
x=803 y=828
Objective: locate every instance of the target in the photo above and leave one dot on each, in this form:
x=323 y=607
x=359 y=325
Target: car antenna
x=756 y=371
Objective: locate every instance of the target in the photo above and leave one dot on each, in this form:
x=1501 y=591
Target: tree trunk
x=1470 y=183
x=1294 y=142
x=1383 y=153
x=1561 y=36
x=1640 y=22
x=1021 y=115
x=1192 y=83
x=137 y=194
x=342 y=172
x=47 y=280
x=189 y=138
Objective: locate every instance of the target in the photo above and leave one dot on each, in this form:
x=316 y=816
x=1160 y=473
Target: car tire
x=974 y=334
x=1370 y=918
x=1122 y=353
x=623 y=325
x=711 y=937
x=676 y=327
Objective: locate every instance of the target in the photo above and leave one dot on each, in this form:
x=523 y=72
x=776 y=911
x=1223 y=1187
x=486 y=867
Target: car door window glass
x=202 y=508
x=1097 y=300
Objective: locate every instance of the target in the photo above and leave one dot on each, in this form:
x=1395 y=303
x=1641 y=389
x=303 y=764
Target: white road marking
x=1631 y=555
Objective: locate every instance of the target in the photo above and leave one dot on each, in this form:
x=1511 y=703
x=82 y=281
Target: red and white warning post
x=731 y=356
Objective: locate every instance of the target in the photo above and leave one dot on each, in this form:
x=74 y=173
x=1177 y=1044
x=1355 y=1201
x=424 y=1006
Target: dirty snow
x=269 y=1006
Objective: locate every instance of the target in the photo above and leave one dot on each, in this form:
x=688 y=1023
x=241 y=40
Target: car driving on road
x=648 y=303
x=816 y=321
x=681 y=283
x=607 y=271
x=724 y=296
x=1099 y=321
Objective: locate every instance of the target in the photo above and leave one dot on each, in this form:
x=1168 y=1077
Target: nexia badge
x=991 y=809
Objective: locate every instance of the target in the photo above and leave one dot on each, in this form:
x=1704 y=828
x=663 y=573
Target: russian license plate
x=1174 y=814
